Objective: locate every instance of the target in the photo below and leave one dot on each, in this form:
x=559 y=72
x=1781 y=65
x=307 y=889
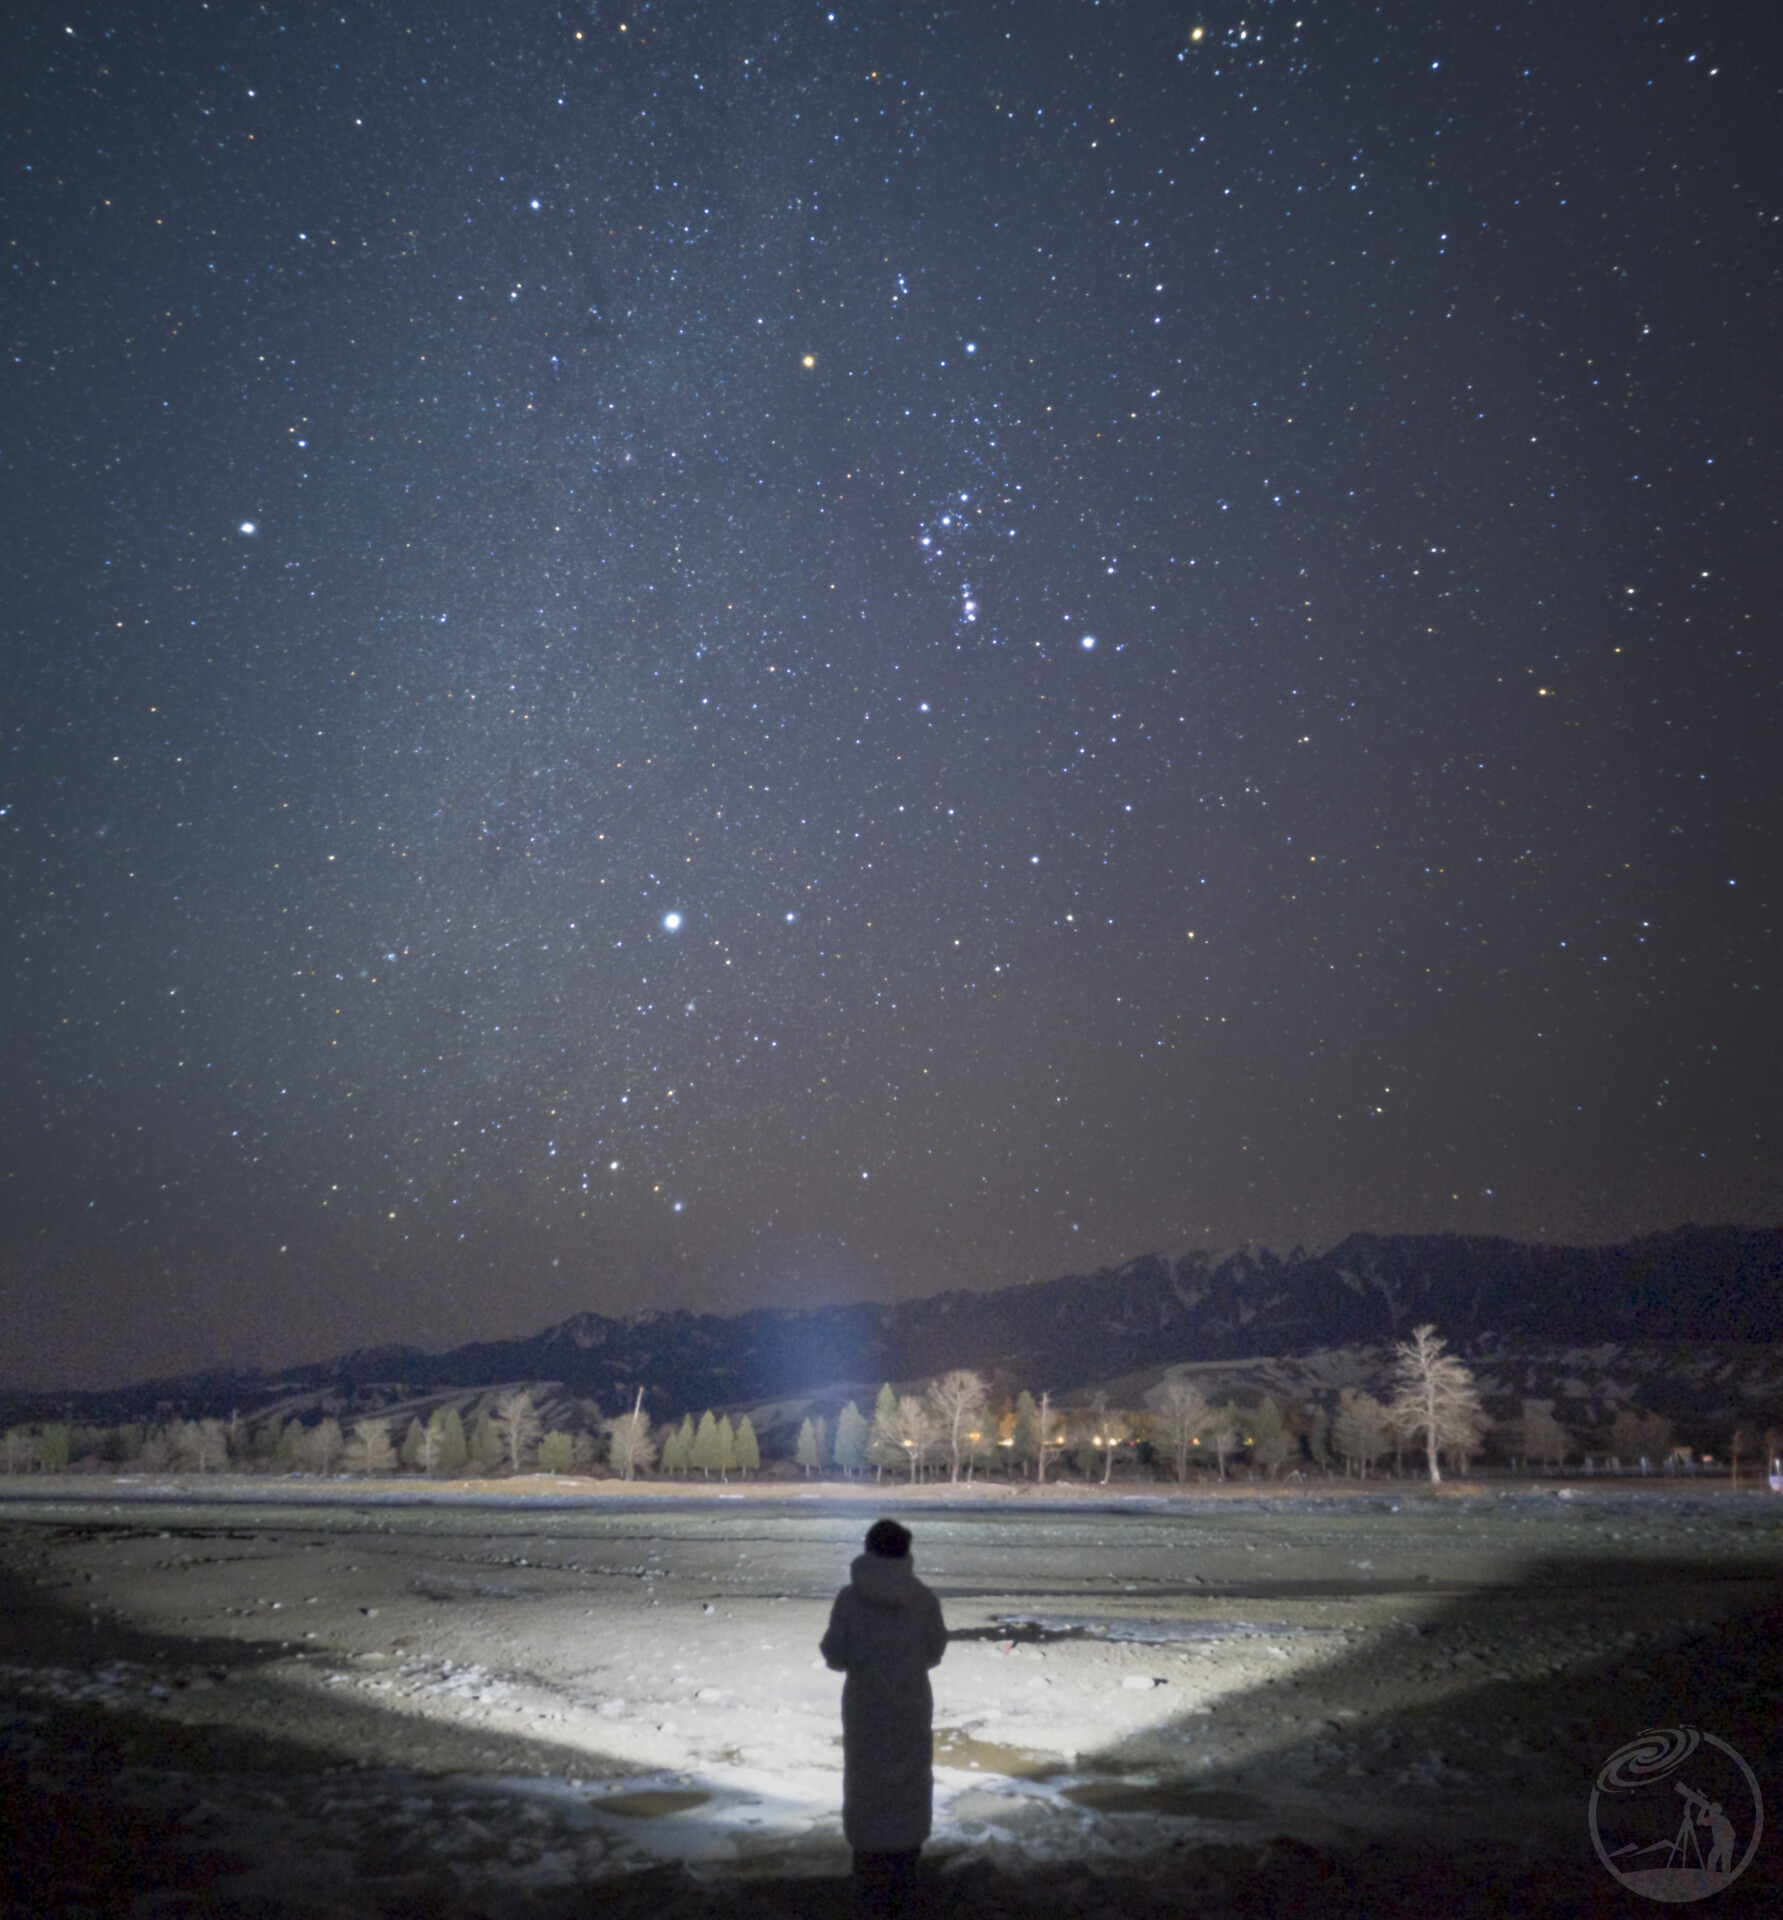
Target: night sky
x=729 y=654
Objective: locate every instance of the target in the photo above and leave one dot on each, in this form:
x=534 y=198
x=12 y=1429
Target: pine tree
x=805 y=1452
x=485 y=1447
x=676 y=1444
x=851 y=1440
x=884 y=1448
x=414 y=1446
x=749 y=1449
x=727 y=1448
x=708 y=1454
x=450 y=1448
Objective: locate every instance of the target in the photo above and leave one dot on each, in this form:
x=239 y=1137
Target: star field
x=705 y=655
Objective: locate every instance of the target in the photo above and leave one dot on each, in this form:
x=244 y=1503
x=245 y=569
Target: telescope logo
x=1676 y=1814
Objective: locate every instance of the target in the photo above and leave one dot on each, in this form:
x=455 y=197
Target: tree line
x=1431 y=1412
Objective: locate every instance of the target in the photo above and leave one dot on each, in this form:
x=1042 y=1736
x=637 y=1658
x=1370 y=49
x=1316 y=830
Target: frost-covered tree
x=804 y=1453
x=1361 y=1431
x=1223 y=1432
x=322 y=1445
x=369 y=1451
x=1181 y=1412
x=1109 y=1429
x=414 y=1450
x=727 y=1448
x=749 y=1448
x=517 y=1422
x=1435 y=1398
x=915 y=1430
x=956 y=1404
x=852 y=1433
x=630 y=1449
x=557 y=1452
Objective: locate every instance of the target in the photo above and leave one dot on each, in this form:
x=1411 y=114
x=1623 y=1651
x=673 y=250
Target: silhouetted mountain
x=1698 y=1284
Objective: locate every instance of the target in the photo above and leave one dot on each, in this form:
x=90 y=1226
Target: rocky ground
x=307 y=1700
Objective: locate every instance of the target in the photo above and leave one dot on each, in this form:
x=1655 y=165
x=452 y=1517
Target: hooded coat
x=885 y=1633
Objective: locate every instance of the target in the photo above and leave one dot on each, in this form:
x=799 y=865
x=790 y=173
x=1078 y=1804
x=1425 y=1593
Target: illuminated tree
x=1223 y=1432
x=956 y=1405
x=749 y=1448
x=448 y=1448
x=630 y=1449
x=1435 y=1398
x=1361 y=1430
x=915 y=1431
x=884 y=1448
x=518 y=1423
x=1182 y=1411
x=805 y=1453
x=370 y=1451
x=707 y=1453
x=1108 y=1430
x=852 y=1433
x=322 y=1445
x=485 y=1446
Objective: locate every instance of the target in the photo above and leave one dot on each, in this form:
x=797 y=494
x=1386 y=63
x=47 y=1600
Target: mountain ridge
x=1690 y=1284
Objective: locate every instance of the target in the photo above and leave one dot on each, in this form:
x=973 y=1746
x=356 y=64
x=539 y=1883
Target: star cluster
x=678 y=654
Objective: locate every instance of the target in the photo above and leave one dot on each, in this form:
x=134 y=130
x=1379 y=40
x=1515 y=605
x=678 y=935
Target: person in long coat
x=885 y=1633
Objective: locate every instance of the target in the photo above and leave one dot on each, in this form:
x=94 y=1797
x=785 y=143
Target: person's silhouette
x=885 y=1633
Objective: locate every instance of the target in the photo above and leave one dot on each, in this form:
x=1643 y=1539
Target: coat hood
x=884 y=1583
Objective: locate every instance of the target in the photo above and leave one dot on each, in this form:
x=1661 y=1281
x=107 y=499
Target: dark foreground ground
x=1426 y=1746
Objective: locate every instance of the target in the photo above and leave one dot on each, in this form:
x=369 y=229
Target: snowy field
x=331 y=1699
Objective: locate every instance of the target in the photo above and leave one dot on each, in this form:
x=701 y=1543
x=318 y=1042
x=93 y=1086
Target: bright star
x=248 y=526
x=672 y=922
x=1088 y=643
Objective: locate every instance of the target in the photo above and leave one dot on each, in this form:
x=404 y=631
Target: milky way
x=717 y=655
